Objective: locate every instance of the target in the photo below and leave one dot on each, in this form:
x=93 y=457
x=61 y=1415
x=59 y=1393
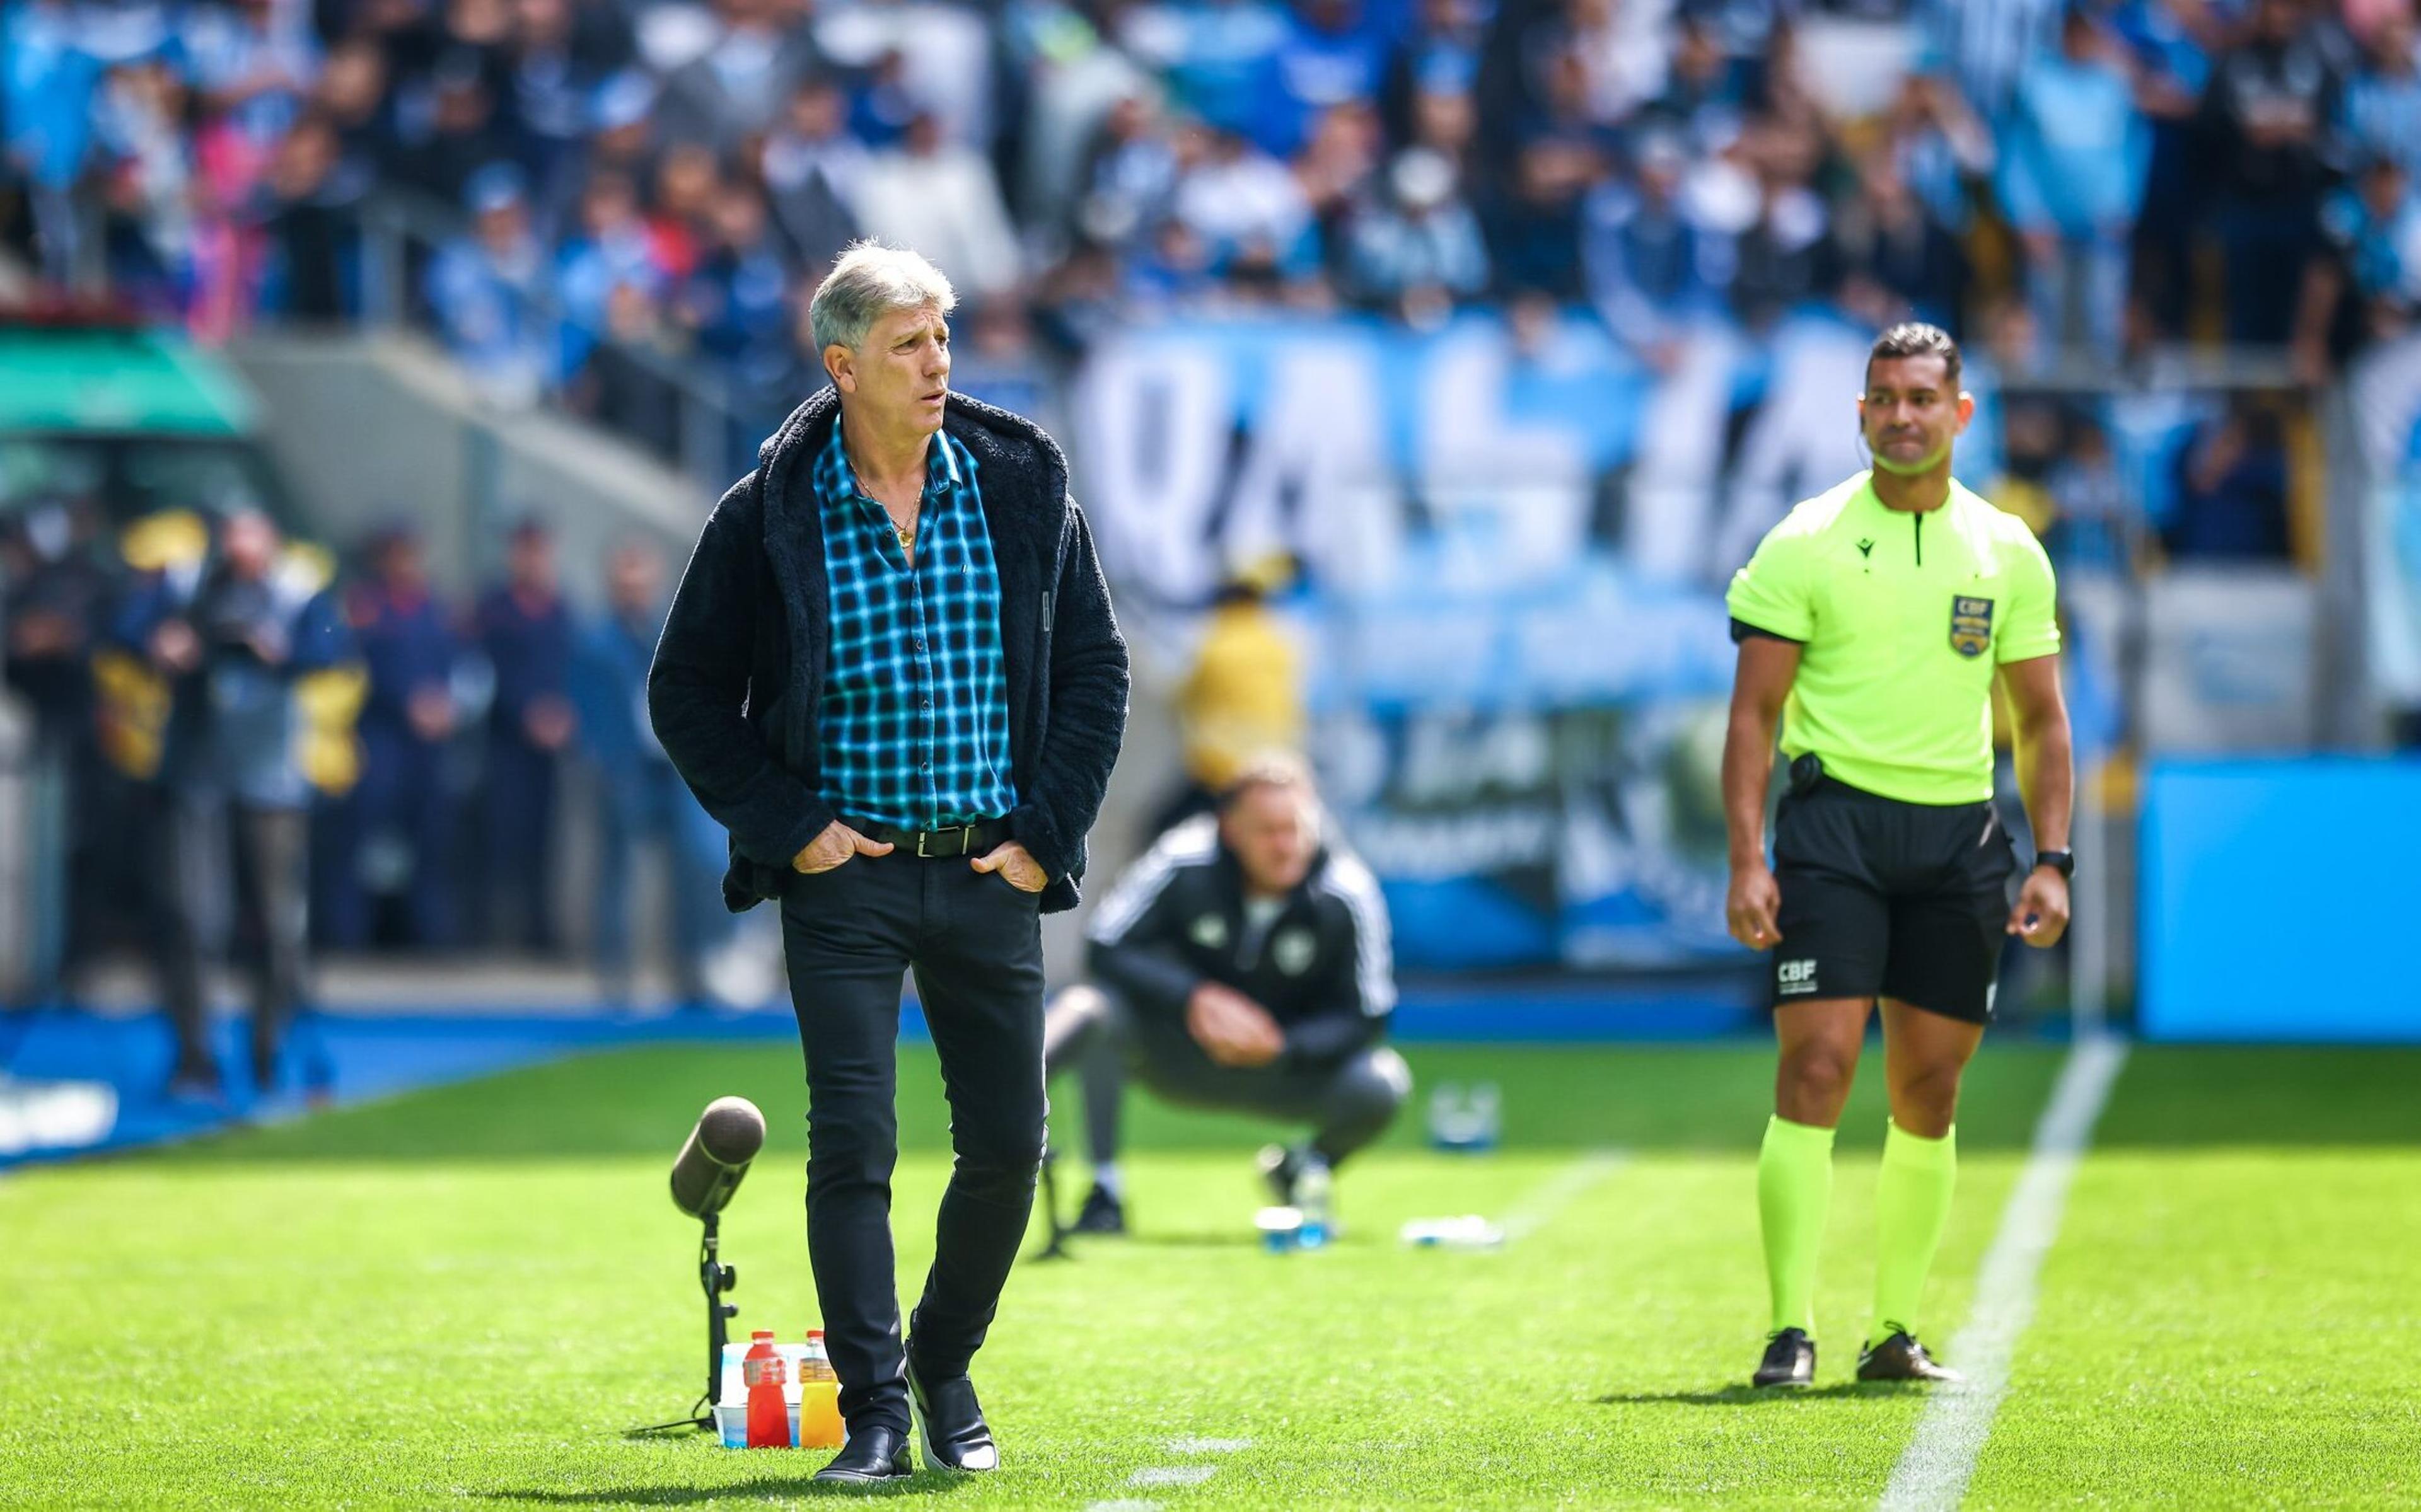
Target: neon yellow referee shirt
x=1904 y=617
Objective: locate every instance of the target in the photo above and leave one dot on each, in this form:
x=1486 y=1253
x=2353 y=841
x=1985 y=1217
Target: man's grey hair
x=870 y=282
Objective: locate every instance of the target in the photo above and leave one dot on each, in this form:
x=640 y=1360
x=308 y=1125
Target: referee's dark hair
x=1272 y=768
x=1915 y=338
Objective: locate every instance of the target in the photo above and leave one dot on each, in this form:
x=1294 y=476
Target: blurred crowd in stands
x=605 y=200
x=230 y=738
x=625 y=178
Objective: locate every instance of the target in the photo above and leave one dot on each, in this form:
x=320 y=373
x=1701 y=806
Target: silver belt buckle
x=966 y=841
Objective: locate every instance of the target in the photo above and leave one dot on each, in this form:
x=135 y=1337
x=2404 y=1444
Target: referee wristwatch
x=2062 y=861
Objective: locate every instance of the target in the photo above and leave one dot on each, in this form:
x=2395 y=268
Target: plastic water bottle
x=1469 y=1232
x=1446 y=1102
x=1466 y=1125
x=820 y=1425
x=769 y=1416
x=1280 y=1227
x=1487 y=1120
x=1311 y=1196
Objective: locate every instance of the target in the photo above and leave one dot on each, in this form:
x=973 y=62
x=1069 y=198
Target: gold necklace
x=906 y=534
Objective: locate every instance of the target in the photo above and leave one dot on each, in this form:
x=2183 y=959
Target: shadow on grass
x=1712 y=1098
x=924 y=1483
x=1236 y=1238
x=1083 y=1246
x=640 y=1103
x=1739 y=1395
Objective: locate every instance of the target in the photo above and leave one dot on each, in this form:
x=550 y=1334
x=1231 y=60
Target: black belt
x=957 y=840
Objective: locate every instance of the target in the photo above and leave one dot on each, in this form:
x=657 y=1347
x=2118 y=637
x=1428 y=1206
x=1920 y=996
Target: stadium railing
x=401 y=231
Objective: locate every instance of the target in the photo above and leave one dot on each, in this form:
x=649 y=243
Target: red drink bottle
x=769 y=1416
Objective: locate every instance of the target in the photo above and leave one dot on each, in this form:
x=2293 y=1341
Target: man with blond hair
x=892 y=674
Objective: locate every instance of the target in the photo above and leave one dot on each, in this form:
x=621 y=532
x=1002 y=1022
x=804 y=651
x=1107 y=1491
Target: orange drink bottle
x=819 y=1425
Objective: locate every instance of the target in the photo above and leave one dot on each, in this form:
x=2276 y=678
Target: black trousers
x=519 y=843
x=1348 y=1102
x=219 y=851
x=975 y=943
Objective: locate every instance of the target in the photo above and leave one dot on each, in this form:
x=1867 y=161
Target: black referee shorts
x=1881 y=898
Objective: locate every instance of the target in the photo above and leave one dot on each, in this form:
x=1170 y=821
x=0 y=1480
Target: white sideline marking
x=1934 y=1470
x=1172 y=1475
x=1558 y=1191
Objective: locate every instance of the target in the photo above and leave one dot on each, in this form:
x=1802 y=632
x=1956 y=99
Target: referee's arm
x=1760 y=682
x=2047 y=785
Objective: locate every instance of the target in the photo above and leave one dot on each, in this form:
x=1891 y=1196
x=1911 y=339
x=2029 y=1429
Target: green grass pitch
x=462 y=1298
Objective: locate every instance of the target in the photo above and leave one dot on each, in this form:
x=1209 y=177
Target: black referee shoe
x=1103 y=1214
x=1901 y=1358
x=1789 y=1360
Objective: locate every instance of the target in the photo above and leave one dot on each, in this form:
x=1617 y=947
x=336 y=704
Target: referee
x=1870 y=624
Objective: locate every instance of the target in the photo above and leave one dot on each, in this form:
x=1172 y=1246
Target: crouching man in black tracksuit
x=1241 y=965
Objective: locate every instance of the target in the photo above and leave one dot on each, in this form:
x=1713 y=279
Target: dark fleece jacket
x=739 y=675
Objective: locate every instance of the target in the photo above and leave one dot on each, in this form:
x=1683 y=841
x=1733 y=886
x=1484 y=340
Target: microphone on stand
x=705 y=1175
x=728 y=1136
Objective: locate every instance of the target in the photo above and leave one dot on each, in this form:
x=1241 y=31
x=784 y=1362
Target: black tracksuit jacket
x=1324 y=969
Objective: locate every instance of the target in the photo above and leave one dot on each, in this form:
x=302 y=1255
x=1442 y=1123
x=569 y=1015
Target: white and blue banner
x=2386 y=391
x=1515 y=540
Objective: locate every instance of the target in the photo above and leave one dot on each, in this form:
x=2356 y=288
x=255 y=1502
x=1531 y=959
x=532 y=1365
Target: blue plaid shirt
x=915 y=716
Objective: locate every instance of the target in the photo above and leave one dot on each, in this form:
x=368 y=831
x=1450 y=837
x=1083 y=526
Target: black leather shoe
x=1901 y=1358
x=950 y=1427
x=875 y=1454
x=1103 y=1214
x=1790 y=1361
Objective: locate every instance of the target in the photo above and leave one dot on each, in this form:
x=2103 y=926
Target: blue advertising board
x=2278 y=902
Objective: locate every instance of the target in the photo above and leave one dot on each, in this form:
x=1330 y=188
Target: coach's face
x=1912 y=412
x=1274 y=833
x=898 y=379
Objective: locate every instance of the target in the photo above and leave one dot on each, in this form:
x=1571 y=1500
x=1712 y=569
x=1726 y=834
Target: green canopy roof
x=117 y=380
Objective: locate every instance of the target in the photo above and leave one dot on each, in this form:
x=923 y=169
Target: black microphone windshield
x=728 y=1136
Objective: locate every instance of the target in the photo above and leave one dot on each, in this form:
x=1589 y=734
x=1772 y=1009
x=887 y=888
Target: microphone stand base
x=714 y=1278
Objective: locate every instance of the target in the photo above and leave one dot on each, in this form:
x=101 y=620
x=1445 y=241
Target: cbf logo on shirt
x=1971 y=625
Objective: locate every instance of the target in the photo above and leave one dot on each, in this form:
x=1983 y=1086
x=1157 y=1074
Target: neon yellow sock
x=1912 y=1202
x=1794 y=1190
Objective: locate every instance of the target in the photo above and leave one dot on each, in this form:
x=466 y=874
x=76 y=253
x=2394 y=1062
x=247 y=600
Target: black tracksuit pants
x=975 y=945
x=1348 y=1102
